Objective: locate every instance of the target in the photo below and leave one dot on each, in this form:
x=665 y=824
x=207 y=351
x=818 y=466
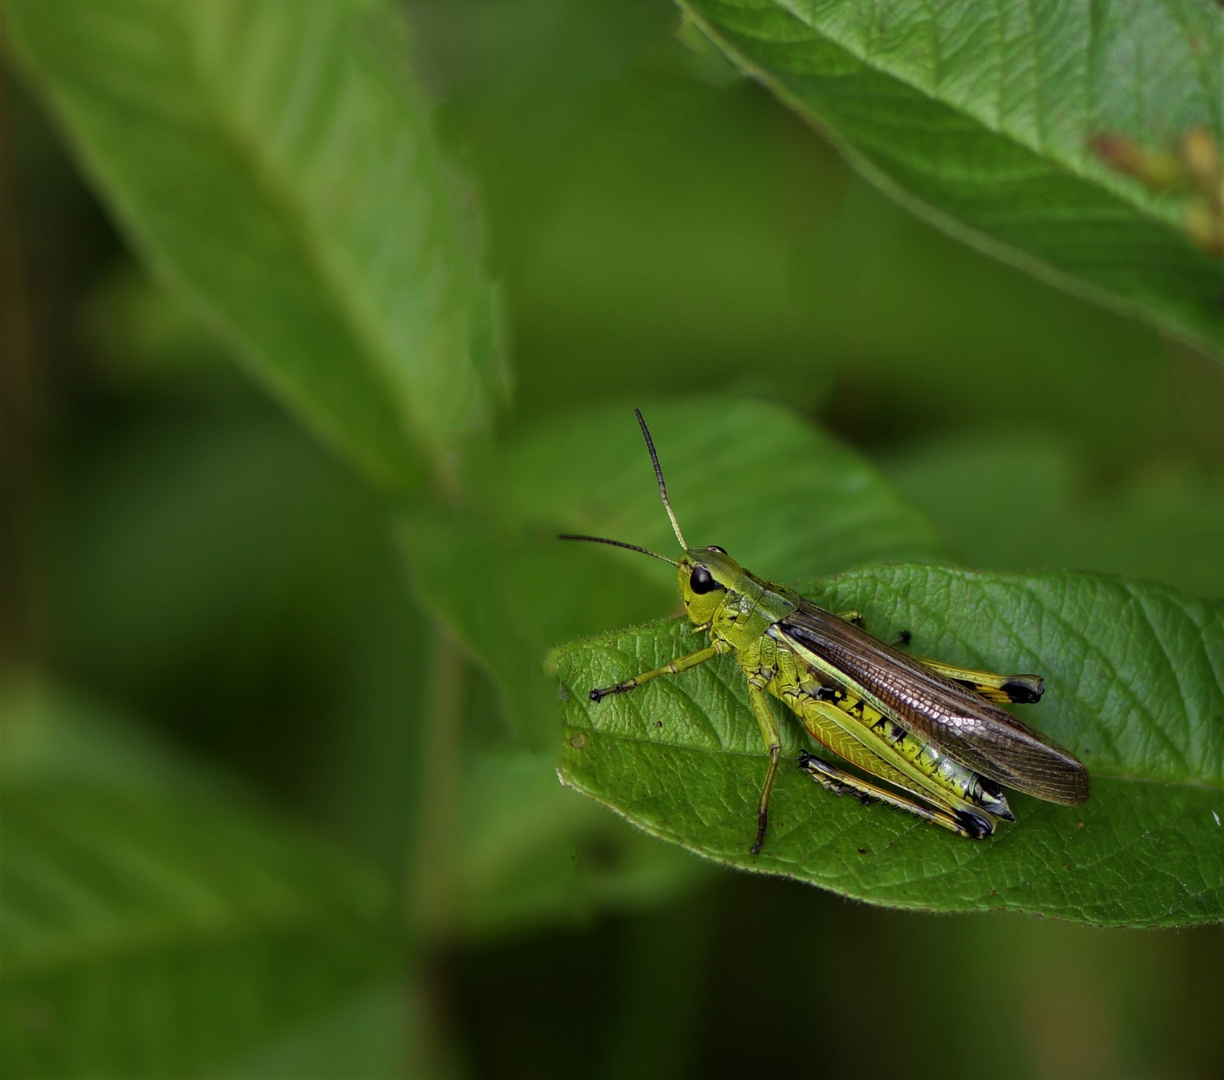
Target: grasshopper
x=931 y=736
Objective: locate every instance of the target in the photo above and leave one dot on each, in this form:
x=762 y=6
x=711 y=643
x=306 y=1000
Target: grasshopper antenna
x=618 y=543
x=654 y=459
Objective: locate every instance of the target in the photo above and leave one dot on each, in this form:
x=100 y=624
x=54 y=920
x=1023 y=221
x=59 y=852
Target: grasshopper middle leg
x=773 y=741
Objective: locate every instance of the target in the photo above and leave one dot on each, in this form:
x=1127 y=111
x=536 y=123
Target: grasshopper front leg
x=673 y=667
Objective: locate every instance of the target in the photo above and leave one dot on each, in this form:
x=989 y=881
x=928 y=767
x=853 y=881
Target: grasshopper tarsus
x=976 y=828
x=1024 y=691
x=824 y=774
x=762 y=825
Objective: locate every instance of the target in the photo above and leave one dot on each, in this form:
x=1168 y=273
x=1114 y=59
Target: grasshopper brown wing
x=968 y=728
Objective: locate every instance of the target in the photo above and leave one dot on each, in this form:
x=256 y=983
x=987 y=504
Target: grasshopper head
x=705 y=576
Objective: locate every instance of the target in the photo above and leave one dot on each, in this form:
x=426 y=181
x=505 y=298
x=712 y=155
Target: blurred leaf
x=668 y=225
x=655 y=1032
x=1133 y=687
x=751 y=475
x=373 y=1036
x=512 y=51
x=600 y=224
x=146 y=333
x=931 y=337
x=209 y=564
x=602 y=163
x=275 y=162
x=531 y=852
x=151 y=922
x=1165 y=524
x=796 y=502
x=509 y=597
x=185 y=537
x=981 y=119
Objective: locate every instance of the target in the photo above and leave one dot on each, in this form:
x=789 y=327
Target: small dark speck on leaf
x=658 y=723
x=578 y=742
x=1066 y=866
x=862 y=851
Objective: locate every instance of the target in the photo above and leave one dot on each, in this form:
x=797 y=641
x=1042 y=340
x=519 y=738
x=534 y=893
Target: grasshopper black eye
x=702 y=581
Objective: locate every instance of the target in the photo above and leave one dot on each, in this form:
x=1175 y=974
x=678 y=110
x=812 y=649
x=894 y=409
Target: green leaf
x=981 y=117
x=1134 y=686
x=511 y=590
x=153 y=921
x=276 y=163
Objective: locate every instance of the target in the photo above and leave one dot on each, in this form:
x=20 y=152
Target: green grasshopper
x=932 y=732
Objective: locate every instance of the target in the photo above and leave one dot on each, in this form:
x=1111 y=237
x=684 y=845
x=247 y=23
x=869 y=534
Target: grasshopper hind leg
x=1001 y=689
x=840 y=782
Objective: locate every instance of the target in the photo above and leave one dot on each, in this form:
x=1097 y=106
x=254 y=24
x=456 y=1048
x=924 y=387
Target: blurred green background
x=211 y=633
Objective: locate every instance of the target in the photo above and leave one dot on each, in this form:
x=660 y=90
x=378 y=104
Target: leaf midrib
x=336 y=286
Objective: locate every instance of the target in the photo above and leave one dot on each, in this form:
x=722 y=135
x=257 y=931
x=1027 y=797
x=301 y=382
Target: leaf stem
x=432 y=869
x=433 y=888
x=22 y=622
